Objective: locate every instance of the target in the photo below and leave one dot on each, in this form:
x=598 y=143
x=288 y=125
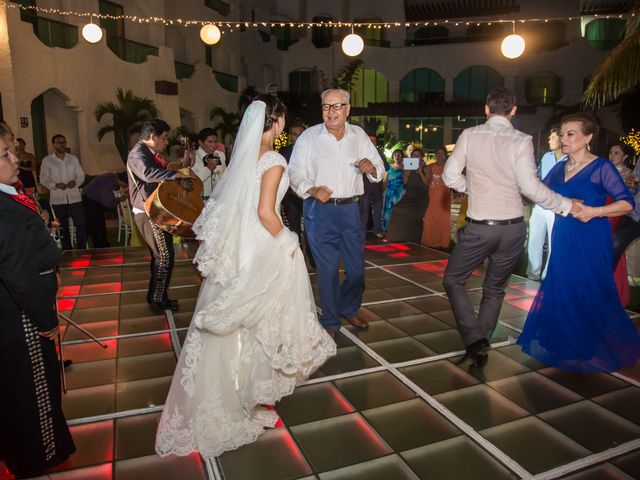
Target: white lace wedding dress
x=254 y=334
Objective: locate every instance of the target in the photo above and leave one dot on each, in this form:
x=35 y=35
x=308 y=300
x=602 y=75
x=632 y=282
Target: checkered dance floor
x=391 y=405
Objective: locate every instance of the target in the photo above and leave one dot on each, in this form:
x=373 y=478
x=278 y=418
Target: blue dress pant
x=335 y=233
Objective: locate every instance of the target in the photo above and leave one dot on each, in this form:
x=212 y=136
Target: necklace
x=572 y=165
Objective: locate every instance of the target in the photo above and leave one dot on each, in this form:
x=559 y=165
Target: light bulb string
x=231 y=24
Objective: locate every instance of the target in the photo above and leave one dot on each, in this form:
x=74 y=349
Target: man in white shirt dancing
x=500 y=168
x=326 y=170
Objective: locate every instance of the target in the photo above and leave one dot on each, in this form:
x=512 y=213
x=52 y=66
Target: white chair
x=125 y=219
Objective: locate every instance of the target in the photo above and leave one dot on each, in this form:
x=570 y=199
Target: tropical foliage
x=128 y=112
x=620 y=71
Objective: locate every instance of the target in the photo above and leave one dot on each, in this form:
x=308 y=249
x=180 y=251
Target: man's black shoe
x=476 y=355
x=473 y=360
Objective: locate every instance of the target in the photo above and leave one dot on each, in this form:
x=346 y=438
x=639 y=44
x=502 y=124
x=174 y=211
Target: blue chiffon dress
x=576 y=321
x=394 y=192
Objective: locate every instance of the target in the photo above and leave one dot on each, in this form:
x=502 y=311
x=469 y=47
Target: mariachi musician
x=34 y=435
x=147 y=168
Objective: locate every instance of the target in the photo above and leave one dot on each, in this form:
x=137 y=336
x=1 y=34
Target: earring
x=588 y=147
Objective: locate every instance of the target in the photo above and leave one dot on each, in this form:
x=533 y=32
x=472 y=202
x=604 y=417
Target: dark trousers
x=371 y=204
x=626 y=232
x=76 y=212
x=334 y=232
x=292 y=206
x=502 y=245
x=162 y=257
x=96 y=224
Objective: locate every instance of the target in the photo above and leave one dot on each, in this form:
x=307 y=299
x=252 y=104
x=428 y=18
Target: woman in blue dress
x=395 y=187
x=576 y=321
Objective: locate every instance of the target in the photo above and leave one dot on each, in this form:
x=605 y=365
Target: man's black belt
x=343 y=201
x=510 y=221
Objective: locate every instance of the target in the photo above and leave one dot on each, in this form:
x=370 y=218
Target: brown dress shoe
x=358 y=322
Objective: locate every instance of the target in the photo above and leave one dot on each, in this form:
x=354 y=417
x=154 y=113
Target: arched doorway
x=51 y=115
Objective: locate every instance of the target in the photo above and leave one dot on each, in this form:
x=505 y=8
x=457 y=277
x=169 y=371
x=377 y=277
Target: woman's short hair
x=587 y=120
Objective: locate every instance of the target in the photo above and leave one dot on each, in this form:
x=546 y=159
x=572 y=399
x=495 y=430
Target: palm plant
x=228 y=124
x=620 y=71
x=128 y=113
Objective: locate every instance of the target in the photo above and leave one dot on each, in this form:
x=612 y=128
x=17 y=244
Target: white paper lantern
x=92 y=33
x=210 y=34
x=512 y=46
x=352 y=45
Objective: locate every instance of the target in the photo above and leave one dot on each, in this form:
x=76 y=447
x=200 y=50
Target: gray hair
x=345 y=95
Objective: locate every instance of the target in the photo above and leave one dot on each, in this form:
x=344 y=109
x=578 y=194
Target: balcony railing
x=129 y=50
x=226 y=81
x=184 y=70
x=223 y=8
x=51 y=32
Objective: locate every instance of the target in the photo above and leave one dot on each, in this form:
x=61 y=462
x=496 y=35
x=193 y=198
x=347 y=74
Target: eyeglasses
x=332 y=106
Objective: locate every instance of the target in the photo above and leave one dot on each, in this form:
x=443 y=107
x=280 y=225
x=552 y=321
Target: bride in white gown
x=254 y=331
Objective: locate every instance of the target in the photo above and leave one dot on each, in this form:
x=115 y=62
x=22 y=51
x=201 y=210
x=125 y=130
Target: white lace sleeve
x=269 y=160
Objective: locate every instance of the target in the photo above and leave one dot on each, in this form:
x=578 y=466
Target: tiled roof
x=424 y=10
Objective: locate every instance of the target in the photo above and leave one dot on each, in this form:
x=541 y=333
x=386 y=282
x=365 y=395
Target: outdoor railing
x=226 y=81
x=51 y=32
x=129 y=50
x=184 y=70
x=223 y=8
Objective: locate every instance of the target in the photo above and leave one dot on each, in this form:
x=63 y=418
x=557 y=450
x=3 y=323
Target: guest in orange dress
x=436 y=231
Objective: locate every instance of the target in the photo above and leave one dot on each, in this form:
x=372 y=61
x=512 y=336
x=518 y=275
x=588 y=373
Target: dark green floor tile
x=376 y=295
x=348 y=359
x=515 y=352
x=509 y=311
x=534 y=392
x=311 y=403
x=611 y=429
x=373 y=390
x=390 y=467
x=444 y=341
x=629 y=463
x=401 y=349
x=455 y=459
x=585 y=384
x=535 y=445
x=410 y=424
x=480 y=406
x=436 y=286
x=439 y=377
x=394 y=309
x=498 y=366
x=445 y=316
x=624 y=402
x=274 y=456
x=377 y=331
x=338 y=442
x=475 y=282
x=600 y=472
x=406 y=291
x=431 y=304
x=418 y=324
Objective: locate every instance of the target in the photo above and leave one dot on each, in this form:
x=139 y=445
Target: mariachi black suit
x=34 y=431
x=144 y=176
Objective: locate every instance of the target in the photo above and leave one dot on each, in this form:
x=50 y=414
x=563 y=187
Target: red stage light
x=69 y=291
x=67 y=304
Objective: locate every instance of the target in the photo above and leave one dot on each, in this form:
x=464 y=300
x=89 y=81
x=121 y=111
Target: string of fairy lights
x=211 y=31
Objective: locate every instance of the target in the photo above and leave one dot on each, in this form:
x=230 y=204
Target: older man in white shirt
x=209 y=164
x=500 y=168
x=326 y=169
x=62 y=174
